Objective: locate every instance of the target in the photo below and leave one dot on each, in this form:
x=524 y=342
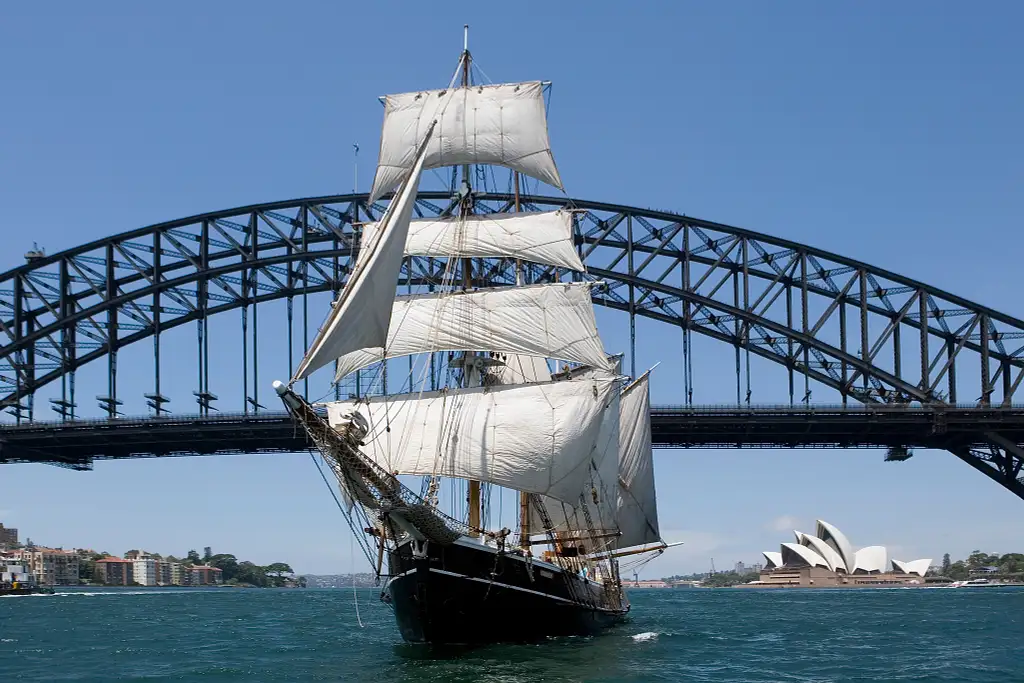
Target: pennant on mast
x=503 y=124
x=365 y=303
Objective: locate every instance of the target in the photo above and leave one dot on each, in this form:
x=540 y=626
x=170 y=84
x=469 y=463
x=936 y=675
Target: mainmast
x=466 y=208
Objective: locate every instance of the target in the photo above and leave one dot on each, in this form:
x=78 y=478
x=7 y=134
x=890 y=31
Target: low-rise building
x=50 y=566
x=114 y=571
x=202 y=575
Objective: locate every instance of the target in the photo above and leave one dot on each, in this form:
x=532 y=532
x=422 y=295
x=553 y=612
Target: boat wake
x=644 y=637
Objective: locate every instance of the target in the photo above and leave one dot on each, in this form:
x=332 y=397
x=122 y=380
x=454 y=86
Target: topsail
x=541 y=237
x=501 y=124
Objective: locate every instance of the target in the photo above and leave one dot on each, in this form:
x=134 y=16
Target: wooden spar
x=633 y=551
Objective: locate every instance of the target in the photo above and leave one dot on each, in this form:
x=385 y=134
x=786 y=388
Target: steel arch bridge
x=867 y=334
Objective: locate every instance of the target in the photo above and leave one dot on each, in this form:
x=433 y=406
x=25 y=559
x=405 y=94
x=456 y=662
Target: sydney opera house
x=827 y=559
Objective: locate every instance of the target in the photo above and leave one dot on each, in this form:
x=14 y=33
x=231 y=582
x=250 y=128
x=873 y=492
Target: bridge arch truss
x=869 y=334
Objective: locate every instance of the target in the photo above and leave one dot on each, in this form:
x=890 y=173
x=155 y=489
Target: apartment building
x=50 y=566
x=114 y=571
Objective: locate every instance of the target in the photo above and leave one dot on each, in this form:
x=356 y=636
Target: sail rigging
x=503 y=125
x=539 y=438
x=573 y=445
x=540 y=237
x=551 y=320
x=365 y=302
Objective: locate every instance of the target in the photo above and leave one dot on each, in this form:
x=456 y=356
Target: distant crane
x=712 y=572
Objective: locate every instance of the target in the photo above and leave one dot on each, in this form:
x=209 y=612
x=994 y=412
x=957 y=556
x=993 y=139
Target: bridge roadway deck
x=76 y=444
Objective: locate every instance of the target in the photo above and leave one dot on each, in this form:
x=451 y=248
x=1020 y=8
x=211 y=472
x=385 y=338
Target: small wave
x=644 y=637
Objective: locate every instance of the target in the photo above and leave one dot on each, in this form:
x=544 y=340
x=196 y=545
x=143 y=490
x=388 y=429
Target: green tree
x=957 y=571
x=979 y=559
x=228 y=564
x=192 y=557
x=1011 y=563
x=252 y=574
x=946 y=564
x=277 y=570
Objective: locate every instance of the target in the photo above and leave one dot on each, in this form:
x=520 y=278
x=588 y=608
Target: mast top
x=465 y=37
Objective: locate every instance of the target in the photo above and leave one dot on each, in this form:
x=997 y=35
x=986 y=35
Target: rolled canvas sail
x=550 y=321
x=540 y=237
x=362 y=315
x=492 y=124
x=539 y=438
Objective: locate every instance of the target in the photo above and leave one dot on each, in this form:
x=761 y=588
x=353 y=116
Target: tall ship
x=497 y=496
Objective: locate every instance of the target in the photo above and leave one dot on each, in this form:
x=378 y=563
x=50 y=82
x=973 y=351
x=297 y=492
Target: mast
x=465 y=209
x=524 y=498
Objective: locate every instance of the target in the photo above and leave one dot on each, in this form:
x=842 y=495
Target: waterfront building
x=8 y=537
x=202 y=575
x=828 y=559
x=49 y=566
x=177 y=573
x=114 y=571
x=145 y=571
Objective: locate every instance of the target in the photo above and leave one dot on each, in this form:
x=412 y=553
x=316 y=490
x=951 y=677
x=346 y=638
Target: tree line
x=1003 y=565
x=233 y=571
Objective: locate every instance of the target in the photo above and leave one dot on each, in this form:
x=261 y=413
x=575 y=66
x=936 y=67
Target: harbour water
x=673 y=635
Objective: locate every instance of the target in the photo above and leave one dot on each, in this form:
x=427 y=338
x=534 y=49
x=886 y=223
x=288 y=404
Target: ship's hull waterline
x=470 y=593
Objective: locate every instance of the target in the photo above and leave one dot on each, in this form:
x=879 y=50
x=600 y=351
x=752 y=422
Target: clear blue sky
x=889 y=132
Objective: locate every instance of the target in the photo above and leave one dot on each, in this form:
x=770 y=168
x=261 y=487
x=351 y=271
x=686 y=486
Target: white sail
x=540 y=237
x=519 y=369
x=634 y=512
x=492 y=124
x=365 y=304
x=551 y=321
x=539 y=438
x=637 y=514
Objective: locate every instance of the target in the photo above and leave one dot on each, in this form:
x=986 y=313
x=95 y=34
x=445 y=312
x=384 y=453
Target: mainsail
x=540 y=237
x=365 y=303
x=634 y=510
x=539 y=438
x=551 y=321
x=501 y=124
x=637 y=510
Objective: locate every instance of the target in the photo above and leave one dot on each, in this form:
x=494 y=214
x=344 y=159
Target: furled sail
x=365 y=303
x=539 y=438
x=492 y=124
x=550 y=320
x=540 y=237
x=637 y=510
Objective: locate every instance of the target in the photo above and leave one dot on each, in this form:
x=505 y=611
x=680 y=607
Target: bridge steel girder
x=869 y=334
